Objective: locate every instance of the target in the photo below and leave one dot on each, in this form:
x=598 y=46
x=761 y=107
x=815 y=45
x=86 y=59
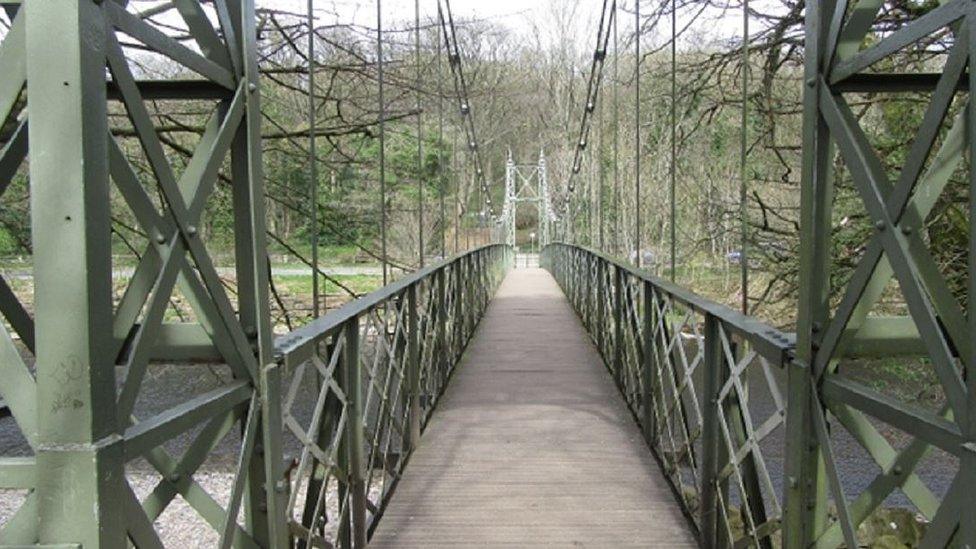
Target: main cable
x=607 y=17
x=453 y=48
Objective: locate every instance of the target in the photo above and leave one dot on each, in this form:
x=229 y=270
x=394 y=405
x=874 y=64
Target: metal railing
x=375 y=369
x=691 y=371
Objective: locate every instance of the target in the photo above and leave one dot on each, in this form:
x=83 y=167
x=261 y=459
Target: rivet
x=281 y=486
x=250 y=331
x=811 y=82
x=793 y=482
x=817 y=326
x=160 y=238
x=880 y=225
x=173 y=478
x=191 y=230
x=252 y=87
x=897 y=470
x=906 y=230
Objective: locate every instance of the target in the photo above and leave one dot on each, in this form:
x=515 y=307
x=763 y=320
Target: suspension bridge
x=476 y=400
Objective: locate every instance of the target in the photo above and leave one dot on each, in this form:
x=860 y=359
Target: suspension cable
x=381 y=136
x=607 y=16
x=456 y=177
x=673 y=171
x=637 y=136
x=420 y=137
x=744 y=162
x=313 y=176
x=441 y=187
x=449 y=30
x=600 y=130
x=616 y=139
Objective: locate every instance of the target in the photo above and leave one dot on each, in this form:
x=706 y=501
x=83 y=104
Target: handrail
x=297 y=344
x=379 y=365
x=682 y=364
x=768 y=339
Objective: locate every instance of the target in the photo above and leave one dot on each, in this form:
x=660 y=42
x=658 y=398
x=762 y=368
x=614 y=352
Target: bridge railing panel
x=704 y=384
x=360 y=383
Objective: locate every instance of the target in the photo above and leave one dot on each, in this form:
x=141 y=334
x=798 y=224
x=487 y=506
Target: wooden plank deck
x=532 y=444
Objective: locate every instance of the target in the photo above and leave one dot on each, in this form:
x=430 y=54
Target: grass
x=328 y=255
x=907 y=379
x=302 y=285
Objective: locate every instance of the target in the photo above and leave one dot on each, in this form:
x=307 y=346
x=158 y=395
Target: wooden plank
x=532 y=444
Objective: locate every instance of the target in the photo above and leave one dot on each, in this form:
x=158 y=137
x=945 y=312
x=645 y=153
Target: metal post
x=440 y=348
x=805 y=508
x=457 y=271
x=714 y=370
x=413 y=369
x=510 y=211
x=967 y=530
x=618 y=323
x=601 y=306
x=247 y=173
x=546 y=212
x=650 y=362
x=276 y=486
x=79 y=465
x=352 y=376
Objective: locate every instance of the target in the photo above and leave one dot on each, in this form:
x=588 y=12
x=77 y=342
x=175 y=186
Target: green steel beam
x=79 y=449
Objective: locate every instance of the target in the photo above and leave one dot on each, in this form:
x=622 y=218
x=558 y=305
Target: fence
x=374 y=369
x=687 y=368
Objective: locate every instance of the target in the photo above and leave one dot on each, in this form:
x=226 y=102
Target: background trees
x=527 y=85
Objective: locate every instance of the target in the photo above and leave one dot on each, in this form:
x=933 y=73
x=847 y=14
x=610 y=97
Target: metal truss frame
x=839 y=62
x=526 y=184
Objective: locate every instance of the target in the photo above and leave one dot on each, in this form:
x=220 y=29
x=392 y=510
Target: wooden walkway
x=532 y=444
